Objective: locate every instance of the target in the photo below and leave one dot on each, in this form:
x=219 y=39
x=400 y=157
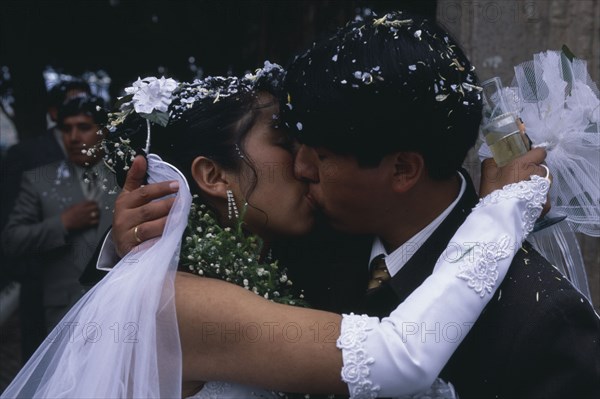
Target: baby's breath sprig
x=118 y=154
x=233 y=255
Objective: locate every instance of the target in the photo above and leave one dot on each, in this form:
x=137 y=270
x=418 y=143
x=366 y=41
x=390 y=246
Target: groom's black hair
x=382 y=85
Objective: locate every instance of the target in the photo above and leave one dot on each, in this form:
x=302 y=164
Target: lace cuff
x=533 y=191
x=356 y=372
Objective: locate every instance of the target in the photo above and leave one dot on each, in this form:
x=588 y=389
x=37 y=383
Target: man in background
x=56 y=216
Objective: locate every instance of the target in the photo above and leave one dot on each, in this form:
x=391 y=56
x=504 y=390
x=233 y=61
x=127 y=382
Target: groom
x=386 y=111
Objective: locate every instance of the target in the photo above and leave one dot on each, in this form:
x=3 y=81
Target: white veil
x=121 y=339
x=560 y=105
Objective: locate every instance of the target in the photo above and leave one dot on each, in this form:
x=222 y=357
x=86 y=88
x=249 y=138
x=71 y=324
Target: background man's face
x=80 y=133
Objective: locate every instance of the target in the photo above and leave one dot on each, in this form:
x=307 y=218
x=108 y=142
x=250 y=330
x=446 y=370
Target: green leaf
x=160 y=118
x=566 y=61
x=567 y=52
x=123 y=100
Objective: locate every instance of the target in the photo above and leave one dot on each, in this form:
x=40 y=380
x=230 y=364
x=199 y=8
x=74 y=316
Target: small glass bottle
x=499 y=126
x=504 y=134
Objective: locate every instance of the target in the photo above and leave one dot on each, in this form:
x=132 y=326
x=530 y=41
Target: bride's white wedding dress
x=121 y=339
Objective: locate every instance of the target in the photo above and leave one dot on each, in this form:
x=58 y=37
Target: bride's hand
x=522 y=168
x=137 y=216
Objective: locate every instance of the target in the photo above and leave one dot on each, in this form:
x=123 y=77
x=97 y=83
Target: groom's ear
x=408 y=169
x=212 y=179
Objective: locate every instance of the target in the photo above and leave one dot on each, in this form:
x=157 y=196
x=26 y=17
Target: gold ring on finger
x=135 y=234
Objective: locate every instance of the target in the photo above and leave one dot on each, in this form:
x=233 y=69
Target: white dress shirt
x=401 y=255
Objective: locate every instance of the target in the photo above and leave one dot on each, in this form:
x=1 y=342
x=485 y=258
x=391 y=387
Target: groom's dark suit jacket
x=537 y=338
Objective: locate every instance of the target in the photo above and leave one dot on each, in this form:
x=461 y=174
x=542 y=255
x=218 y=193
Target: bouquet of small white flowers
x=233 y=255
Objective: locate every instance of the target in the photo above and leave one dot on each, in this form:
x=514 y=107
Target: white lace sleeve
x=405 y=352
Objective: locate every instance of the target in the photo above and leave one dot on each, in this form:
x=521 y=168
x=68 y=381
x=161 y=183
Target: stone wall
x=500 y=34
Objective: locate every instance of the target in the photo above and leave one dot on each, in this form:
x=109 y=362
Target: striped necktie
x=379 y=273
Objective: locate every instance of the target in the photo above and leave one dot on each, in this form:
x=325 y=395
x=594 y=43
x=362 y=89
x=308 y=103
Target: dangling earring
x=232 y=209
x=239 y=151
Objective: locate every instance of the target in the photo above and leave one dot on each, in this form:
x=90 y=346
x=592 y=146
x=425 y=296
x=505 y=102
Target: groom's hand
x=138 y=217
x=522 y=168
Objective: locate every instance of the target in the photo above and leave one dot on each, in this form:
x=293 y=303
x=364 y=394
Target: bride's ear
x=210 y=177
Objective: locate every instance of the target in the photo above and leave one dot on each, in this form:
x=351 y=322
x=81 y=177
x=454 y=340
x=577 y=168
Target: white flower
x=151 y=94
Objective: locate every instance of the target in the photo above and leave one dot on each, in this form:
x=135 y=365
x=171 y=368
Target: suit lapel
x=382 y=301
x=95 y=234
x=87 y=235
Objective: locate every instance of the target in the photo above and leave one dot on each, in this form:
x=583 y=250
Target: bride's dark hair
x=214 y=125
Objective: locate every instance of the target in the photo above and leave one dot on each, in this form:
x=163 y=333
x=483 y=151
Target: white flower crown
x=164 y=100
x=151 y=97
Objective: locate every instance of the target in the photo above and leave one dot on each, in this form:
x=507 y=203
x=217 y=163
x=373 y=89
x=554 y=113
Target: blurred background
x=112 y=42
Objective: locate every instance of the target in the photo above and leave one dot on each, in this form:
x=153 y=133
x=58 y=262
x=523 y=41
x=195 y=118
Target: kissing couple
x=366 y=131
